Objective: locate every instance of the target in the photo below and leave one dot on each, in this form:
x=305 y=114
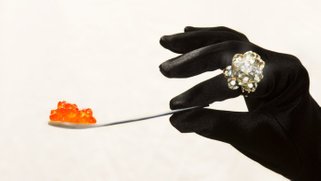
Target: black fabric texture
x=282 y=128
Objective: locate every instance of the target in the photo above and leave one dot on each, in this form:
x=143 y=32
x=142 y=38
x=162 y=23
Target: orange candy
x=67 y=112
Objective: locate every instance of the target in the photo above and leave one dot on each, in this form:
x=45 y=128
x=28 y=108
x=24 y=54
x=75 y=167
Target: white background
x=104 y=54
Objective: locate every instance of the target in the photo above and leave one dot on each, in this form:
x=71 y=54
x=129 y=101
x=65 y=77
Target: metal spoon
x=85 y=126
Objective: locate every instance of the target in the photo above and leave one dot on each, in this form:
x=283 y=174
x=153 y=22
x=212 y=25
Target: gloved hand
x=282 y=128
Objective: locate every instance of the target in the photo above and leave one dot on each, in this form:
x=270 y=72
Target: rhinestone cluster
x=246 y=71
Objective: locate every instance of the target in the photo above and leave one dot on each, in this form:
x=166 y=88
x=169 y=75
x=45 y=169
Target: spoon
x=69 y=125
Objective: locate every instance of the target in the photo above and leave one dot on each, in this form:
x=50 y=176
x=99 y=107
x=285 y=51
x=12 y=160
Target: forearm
x=309 y=144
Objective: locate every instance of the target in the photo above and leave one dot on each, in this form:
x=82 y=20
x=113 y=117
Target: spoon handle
x=147 y=117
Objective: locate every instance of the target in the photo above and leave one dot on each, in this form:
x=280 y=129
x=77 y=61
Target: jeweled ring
x=246 y=71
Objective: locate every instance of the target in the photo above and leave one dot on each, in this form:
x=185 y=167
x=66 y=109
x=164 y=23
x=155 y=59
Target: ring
x=246 y=71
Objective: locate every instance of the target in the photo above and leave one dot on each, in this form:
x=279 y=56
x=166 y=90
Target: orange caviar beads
x=67 y=112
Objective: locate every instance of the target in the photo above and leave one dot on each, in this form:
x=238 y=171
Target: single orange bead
x=92 y=120
x=88 y=112
x=55 y=117
x=61 y=104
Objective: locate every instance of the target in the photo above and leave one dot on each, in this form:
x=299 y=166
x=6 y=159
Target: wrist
x=310 y=141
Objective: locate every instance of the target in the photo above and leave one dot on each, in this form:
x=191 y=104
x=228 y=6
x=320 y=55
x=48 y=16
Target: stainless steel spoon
x=85 y=126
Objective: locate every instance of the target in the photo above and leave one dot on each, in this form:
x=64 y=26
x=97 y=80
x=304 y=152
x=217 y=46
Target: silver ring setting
x=246 y=71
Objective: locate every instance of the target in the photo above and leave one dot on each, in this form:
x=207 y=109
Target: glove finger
x=216 y=89
x=218 y=28
x=205 y=93
x=186 y=42
x=212 y=57
x=214 y=124
x=226 y=126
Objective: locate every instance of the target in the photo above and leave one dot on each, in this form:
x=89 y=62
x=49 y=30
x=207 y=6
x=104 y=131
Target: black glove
x=281 y=131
